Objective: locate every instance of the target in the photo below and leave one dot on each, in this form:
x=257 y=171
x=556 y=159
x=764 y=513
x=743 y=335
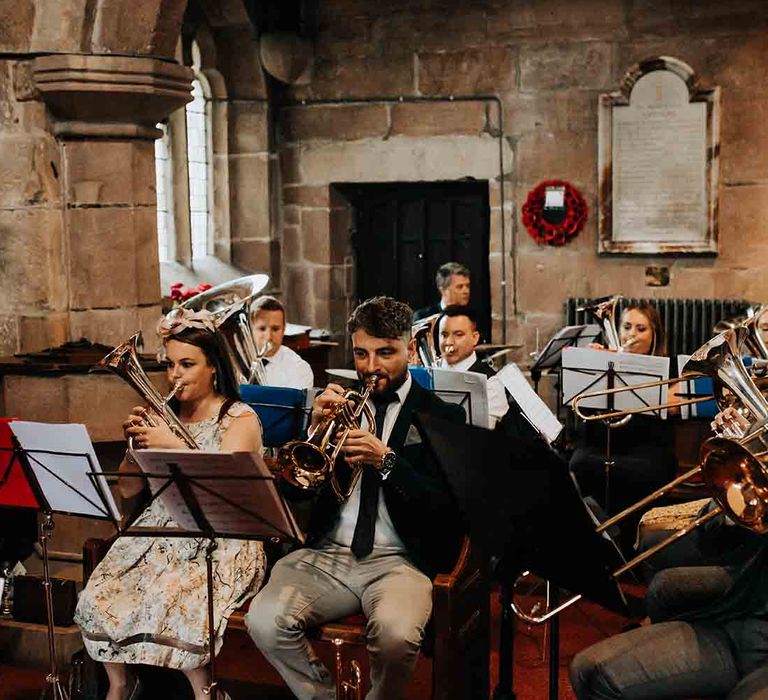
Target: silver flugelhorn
x=124 y=362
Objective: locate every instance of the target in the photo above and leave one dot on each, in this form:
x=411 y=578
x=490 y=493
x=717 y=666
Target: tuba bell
x=124 y=362
x=423 y=332
x=230 y=304
x=754 y=341
x=308 y=464
x=603 y=310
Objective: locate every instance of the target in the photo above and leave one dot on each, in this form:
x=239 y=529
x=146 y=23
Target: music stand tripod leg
x=212 y=689
x=54 y=686
x=504 y=689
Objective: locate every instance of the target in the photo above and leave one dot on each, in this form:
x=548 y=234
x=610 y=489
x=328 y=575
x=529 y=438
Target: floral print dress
x=146 y=602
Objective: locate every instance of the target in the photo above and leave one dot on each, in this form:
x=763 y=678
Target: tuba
x=423 y=332
x=308 y=464
x=124 y=362
x=754 y=341
x=230 y=304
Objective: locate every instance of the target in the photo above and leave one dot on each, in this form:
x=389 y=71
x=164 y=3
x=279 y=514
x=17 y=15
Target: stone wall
x=548 y=62
x=82 y=85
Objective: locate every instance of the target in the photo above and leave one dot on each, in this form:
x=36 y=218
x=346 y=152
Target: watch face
x=388 y=461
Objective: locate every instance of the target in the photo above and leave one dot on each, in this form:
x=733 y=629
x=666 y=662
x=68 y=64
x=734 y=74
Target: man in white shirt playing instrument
x=282 y=366
x=458 y=339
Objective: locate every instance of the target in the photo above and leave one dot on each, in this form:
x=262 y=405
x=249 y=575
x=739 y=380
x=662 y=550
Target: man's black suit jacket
x=417 y=494
x=427 y=311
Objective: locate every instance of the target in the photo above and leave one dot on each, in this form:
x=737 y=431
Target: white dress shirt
x=287 y=368
x=385 y=536
x=497 y=396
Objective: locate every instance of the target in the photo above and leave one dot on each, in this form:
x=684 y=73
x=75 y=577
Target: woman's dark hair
x=215 y=353
x=659 y=342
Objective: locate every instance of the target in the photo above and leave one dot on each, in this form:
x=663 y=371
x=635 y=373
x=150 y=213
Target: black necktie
x=365 y=528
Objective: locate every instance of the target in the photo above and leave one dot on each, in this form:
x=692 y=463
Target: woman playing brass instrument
x=146 y=602
x=642 y=449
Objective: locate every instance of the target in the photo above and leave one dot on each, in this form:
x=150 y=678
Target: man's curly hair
x=381 y=317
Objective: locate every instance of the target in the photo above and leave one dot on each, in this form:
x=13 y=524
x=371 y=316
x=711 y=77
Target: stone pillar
x=251 y=172
x=104 y=110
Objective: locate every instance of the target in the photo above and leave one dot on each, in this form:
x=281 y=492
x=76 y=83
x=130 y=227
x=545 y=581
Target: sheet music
x=233 y=507
x=584 y=370
x=577 y=336
x=64 y=478
x=530 y=402
x=468 y=389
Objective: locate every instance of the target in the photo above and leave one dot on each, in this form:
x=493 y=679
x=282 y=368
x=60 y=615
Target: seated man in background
x=282 y=366
x=452 y=280
x=458 y=339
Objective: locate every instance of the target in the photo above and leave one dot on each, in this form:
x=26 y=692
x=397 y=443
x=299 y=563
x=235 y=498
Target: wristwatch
x=387 y=464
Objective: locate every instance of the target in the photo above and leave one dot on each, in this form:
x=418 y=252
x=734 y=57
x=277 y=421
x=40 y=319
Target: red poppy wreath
x=551 y=232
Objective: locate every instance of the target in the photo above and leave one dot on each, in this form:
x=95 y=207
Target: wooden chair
x=459 y=643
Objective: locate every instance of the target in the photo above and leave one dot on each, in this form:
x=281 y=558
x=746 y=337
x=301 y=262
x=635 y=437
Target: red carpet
x=247 y=676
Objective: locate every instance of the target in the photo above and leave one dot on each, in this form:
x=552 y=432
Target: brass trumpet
x=307 y=464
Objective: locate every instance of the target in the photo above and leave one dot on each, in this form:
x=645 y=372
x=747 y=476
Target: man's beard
x=391 y=386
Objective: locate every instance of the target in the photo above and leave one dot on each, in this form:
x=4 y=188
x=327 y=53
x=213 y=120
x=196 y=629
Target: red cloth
x=14 y=488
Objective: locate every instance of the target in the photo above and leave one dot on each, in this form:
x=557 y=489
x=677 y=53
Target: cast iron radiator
x=687 y=322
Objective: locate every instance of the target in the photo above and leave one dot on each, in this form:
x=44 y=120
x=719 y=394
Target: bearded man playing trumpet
x=378 y=550
x=146 y=602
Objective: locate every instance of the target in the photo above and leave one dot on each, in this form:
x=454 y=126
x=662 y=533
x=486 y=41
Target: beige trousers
x=312 y=586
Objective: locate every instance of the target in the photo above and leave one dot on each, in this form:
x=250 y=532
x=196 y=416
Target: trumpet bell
x=738 y=481
x=304 y=465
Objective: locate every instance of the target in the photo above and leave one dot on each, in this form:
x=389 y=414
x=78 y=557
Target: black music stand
x=608 y=378
x=568 y=336
x=210 y=495
x=68 y=482
x=513 y=495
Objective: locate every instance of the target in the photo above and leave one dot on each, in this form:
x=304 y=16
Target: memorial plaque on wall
x=658 y=163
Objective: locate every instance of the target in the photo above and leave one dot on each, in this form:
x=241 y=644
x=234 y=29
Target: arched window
x=164 y=188
x=198 y=168
x=176 y=238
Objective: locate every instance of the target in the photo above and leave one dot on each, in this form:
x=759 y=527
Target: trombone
x=719 y=359
x=734 y=470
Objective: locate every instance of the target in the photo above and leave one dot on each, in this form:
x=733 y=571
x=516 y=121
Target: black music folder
x=523 y=510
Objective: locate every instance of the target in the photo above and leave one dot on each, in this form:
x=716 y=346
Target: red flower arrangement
x=180 y=293
x=544 y=232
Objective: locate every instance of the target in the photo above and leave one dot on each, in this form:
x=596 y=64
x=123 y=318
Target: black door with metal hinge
x=404 y=231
